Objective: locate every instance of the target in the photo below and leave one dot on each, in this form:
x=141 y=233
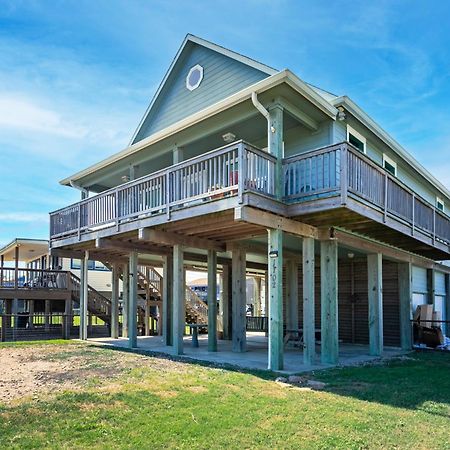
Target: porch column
x=266 y=299
x=447 y=303
x=179 y=300
x=84 y=296
x=238 y=266
x=309 y=315
x=275 y=141
x=292 y=295
x=275 y=263
x=405 y=300
x=147 y=315
x=67 y=320
x=167 y=300
x=225 y=304
x=115 y=301
x=125 y=298
x=257 y=311
x=375 y=294
x=47 y=313
x=132 y=300
x=15 y=311
x=329 y=302
x=212 y=301
x=31 y=313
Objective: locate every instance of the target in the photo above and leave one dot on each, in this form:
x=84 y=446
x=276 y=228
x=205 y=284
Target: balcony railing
x=343 y=170
x=10 y=278
x=337 y=170
x=230 y=170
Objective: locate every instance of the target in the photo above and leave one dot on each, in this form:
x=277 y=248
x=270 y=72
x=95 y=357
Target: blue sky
x=76 y=77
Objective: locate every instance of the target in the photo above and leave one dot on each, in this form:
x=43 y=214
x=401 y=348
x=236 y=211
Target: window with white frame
x=440 y=204
x=390 y=165
x=194 y=77
x=356 y=139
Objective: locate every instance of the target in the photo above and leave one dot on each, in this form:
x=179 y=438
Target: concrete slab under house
x=246 y=172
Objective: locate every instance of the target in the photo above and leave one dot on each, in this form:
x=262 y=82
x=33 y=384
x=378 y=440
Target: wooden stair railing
x=98 y=304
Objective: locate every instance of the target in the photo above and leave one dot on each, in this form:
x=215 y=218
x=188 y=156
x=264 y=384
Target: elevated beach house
x=245 y=169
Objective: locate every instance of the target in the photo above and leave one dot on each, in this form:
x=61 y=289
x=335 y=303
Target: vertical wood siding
x=222 y=77
x=391 y=307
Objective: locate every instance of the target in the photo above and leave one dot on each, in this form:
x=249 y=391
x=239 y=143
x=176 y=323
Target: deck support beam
x=275 y=263
x=329 y=301
x=212 y=301
x=84 y=296
x=125 y=298
x=115 y=301
x=167 y=300
x=239 y=339
x=257 y=311
x=292 y=295
x=375 y=295
x=405 y=292
x=179 y=301
x=31 y=313
x=132 y=308
x=309 y=315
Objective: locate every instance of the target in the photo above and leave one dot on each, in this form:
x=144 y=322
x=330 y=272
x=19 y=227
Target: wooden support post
x=67 y=320
x=125 y=298
x=292 y=295
x=238 y=333
x=179 y=300
x=84 y=296
x=47 y=312
x=375 y=295
x=167 y=306
x=275 y=262
x=405 y=304
x=132 y=300
x=212 y=301
x=447 y=303
x=309 y=315
x=16 y=267
x=31 y=314
x=226 y=304
x=266 y=298
x=15 y=311
x=329 y=302
x=257 y=309
x=115 y=301
x=147 y=327
x=276 y=146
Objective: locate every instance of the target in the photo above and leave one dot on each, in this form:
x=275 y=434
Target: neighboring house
x=244 y=167
x=35 y=285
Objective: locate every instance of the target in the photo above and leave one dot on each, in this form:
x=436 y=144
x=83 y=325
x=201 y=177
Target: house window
x=92 y=265
x=194 y=77
x=390 y=165
x=356 y=139
x=440 y=204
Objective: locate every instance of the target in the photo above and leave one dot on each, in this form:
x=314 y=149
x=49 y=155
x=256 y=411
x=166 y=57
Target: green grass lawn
x=123 y=400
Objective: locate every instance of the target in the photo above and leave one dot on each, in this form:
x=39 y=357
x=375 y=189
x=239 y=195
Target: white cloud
x=19 y=112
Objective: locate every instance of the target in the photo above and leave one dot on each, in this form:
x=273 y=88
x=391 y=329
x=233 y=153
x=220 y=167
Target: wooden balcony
x=333 y=186
x=34 y=283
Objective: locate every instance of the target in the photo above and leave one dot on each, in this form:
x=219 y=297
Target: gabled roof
x=207 y=44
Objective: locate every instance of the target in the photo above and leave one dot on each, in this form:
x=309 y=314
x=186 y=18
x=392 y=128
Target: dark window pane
x=390 y=168
x=356 y=142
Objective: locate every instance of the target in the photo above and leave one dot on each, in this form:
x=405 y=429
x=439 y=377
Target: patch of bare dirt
x=29 y=371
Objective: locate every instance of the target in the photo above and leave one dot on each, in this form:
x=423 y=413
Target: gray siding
x=223 y=76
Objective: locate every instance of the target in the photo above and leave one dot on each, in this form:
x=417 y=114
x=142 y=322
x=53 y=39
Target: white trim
x=285 y=76
x=359 y=136
x=439 y=200
x=368 y=122
x=192 y=87
x=391 y=162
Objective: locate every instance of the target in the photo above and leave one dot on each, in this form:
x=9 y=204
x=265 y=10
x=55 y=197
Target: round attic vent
x=194 y=77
